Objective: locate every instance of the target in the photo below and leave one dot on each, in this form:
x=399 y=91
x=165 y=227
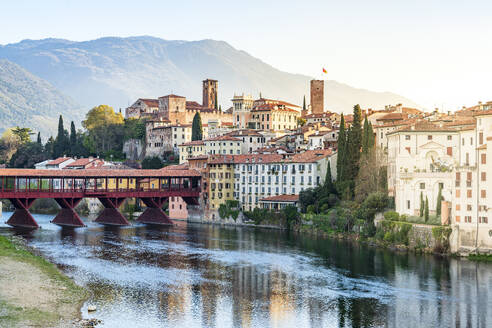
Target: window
x=441 y=185
x=483 y=176
x=471 y=141
x=408 y=204
x=468 y=219
x=458 y=207
x=429 y=137
x=450 y=137
x=469 y=193
x=407 y=137
x=457 y=193
x=483 y=158
x=449 y=151
x=462 y=141
x=468 y=207
x=483 y=193
x=458 y=218
x=483 y=219
x=480 y=138
x=422 y=185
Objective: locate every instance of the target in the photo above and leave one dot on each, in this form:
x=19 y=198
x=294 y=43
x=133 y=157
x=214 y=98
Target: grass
x=480 y=257
x=72 y=293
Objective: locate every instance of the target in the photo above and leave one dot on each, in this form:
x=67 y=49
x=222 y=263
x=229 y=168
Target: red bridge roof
x=95 y=173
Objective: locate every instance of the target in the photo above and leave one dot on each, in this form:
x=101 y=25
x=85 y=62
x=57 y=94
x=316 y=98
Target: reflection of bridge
x=68 y=187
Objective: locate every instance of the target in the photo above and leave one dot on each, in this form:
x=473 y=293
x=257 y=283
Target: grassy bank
x=480 y=257
x=34 y=292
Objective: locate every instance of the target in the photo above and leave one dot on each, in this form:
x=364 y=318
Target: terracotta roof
x=85 y=162
x=309 y=156
x=198 y=157
x=58 y=161
x=183 y=166
x=257 y=158
x=392 y=117
x=221 y=159
x=98 y=173
x=273 y=107
x=425 y=126
x=150 y=102
x=281 y=198
x=280 y=102
x=223 y=138
x=193 y=143
x=244 y=132
x=172 y=96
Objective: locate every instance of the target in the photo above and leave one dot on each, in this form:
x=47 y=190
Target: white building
x=455 y=157
x=257 y=176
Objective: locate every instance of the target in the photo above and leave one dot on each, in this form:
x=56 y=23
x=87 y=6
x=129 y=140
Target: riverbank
x=34 y=292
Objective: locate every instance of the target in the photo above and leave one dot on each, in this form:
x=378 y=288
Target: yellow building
x=191 y=149
x=221 y=180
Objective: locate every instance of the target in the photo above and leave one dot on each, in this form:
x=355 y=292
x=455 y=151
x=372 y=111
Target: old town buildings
x=451 y=153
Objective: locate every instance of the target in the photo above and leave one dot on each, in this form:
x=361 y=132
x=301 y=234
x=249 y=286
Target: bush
x=152 y=163
x=392 y=216
x=311 y=209
x=388 y=237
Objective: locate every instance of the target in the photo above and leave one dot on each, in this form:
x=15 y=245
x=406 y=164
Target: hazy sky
x=438 y=53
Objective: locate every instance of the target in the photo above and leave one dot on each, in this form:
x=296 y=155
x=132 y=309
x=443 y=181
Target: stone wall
x=133 y=149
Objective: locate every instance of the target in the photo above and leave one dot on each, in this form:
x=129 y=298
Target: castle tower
x=210 y=93
x=317 y=96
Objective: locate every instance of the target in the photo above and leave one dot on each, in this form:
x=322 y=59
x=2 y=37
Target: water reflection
x=207 y=276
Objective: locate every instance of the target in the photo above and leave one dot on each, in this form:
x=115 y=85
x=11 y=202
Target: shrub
x=392 y=216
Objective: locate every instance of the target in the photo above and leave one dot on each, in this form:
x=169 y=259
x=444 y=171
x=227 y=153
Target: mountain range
x=117 y=71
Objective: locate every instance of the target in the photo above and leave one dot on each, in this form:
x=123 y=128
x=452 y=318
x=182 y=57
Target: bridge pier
x=67 y=217
x=22 y=218
x=154 y=213
x=111 y=215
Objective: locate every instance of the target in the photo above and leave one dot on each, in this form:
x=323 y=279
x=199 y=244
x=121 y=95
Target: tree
x=105 y=131
x=301 y=121
x=304 y=103
x=372 y=175
x=62 y=143
x=422 y=205
x=291 y=215
x=39 y=138
x=354 y=143
x=22 y=133
x=73 y=136
x=152 y=163
x=439 y=201
x=27 y=155
x=366 y=137
x=216 y=104
x=426 y=213
x=196 y=128
x=101 y=116
x=9 y=143
x=329 y=187
x=341 y=149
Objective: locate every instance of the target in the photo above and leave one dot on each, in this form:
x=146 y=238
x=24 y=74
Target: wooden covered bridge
x=68 y=187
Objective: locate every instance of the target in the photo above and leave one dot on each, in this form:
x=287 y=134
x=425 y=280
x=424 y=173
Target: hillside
x=116 y=71
x=27 y=100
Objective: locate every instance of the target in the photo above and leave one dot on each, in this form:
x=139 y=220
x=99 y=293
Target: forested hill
x=29 y=101
x=117 y=71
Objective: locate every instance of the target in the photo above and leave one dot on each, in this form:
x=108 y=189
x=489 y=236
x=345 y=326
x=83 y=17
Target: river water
x=193 y=275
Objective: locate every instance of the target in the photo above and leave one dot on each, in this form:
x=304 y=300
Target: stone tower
x=210 y=93
x=317 y=96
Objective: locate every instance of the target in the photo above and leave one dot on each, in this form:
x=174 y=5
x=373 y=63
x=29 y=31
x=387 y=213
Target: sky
x=435 y=52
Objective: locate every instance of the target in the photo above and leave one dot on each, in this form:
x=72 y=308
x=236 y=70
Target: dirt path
x=33 y=293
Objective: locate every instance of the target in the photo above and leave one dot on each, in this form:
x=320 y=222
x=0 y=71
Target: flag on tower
x=324 y=70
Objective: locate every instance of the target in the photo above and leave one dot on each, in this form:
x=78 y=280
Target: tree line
x=104 y=135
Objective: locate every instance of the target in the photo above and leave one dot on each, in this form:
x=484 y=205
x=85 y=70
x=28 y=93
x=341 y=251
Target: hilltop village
x=266 y=154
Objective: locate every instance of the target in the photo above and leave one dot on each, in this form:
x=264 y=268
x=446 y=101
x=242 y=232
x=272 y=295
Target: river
x=193 y=275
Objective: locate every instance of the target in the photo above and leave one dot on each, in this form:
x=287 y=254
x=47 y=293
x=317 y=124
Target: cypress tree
x=216 y=105
x=439 y=200
x=421 y=212
x=370 y=137
x=341 y=149
x=39 y=138
x=329 y=181
x=354 y=143
x=61 y=143
x=61 y=129
x=426 y=214
x=196 y=128
x=304 y=103
x=73 y=135
x=365 y=137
